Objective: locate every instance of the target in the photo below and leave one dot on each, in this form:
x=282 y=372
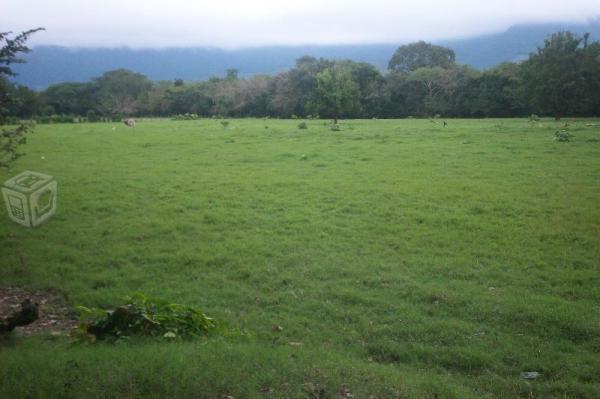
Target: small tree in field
x=11 y=137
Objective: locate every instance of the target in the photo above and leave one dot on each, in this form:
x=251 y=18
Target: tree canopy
x=11 y=95
x=420 y=55
x=563 y=75
x=336 y=94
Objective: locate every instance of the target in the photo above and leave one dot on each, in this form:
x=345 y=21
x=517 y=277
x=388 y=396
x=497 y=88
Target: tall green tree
x=435 y=88
x=417 y=55
x=191 y=99
x=293 y=90
x=562 y=76
x=337 y=94
x=371 y=85
x=10 y=49
x=494 y=93
x=69 y=98
x=590 y=73
x=117 y=92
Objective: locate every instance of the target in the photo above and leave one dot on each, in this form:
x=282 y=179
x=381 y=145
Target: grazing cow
x=130 y=122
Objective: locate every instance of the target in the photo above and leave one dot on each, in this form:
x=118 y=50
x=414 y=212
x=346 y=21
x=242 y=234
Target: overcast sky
x=231 y=24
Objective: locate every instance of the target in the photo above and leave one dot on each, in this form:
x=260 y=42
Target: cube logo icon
x=30 y=198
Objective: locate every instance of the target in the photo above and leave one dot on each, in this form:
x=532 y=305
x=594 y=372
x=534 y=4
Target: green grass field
x=400 y=258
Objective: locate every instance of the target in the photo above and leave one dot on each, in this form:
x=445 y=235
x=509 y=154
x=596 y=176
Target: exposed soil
x=55 y=316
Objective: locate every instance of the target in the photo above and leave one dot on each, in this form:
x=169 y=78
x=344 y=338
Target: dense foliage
x=142 y=316
x=13 y=98
x=561 y=78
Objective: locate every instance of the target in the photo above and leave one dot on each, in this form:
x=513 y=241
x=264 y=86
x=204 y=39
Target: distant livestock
x=130 y=122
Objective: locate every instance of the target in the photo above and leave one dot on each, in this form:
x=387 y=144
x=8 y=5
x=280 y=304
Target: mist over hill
x=47 y=65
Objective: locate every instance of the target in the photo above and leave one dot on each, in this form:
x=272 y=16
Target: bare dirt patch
x=55 y=316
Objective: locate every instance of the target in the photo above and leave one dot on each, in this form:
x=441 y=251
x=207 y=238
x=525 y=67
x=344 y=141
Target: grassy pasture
x=400 y=258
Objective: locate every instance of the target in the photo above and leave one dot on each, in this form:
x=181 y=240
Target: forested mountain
x=48 y=65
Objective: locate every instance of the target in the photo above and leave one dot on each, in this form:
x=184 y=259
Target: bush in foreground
x=142 y=316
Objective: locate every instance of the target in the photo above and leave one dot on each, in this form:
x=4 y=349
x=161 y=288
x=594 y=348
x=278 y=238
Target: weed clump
x=562 y=136
x=302 y=125
x=142 y=316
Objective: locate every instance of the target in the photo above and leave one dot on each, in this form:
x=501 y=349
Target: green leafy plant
x=12 y=137
x=534 y=118
x=143 y=316
x=562 y=136
x=224 y=123
x=302 y=125
x=9 y=140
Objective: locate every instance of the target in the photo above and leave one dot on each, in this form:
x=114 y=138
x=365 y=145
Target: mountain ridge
x=47 y=65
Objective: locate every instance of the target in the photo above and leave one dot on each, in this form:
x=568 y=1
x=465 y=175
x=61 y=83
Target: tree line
x=561 y=78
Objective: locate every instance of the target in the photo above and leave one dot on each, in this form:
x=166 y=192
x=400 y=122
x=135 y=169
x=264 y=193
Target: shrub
x=185 y=117
x=62 y=118
x=142 y=316
x=224 y=123
x=10 y=139
x=9 y=120
x=562 y=135
x=91 y=116
x=302 y=125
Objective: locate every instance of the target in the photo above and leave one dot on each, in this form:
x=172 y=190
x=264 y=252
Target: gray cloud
x=151 y=23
